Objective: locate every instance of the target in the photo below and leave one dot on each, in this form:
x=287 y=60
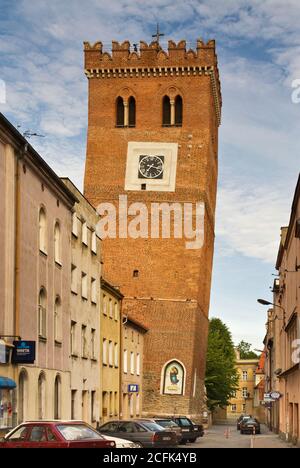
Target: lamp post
x=267 y=303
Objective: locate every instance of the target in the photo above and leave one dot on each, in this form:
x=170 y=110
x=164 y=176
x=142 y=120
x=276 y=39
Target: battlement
x=123 y=54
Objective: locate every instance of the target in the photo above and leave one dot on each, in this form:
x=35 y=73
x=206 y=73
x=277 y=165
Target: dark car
x=144 y=433
x=170 y=425
x=190 y=430
x=55 y=434
x=243 y=416
x=250 y=426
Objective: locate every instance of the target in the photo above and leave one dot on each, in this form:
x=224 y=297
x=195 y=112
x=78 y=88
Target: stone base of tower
x=177 y=333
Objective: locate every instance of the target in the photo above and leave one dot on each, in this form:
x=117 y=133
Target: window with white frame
x=84 y=236
x=75 y=225
x=245 y=392
x=74 y=279
x=104 y=352
x=94 y=242
x=116 y=355
x=104 y=304
x=84 y=285
x=138 y=364
x=125 y=361
x=132 y=363
x=93 y=343
x=84 y=352
x=233 y=408
x=73 y=337
x=57 y=320
x=93 y=290
x=111 y=354
x=245 y=376
x=42 y=230
x=42 y=313
x=57 y=243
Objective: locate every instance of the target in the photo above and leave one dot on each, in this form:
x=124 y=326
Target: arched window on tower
x=120 y=112
x=57 y=243
x=166 y=111
x=131 y=105
x=178 y=111
x=42 y=230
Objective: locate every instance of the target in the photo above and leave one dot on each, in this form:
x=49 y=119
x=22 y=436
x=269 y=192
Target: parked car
x=243 y=416
x=190 y=430
x=122 y=443
x=170 y=425
x=144 y=433
x=55 y=434
x=250 y=426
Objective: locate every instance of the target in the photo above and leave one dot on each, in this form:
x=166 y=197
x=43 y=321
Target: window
x=111 y=354
x=93 y=291
x=84 y=287
x=132 y=363
x=57 y=320
x=245 y=392
x=94 y=242
x=74 y=279
x=42 y=314
x=131 y=405
x=38 y=434
x=120 y=112
x=23 y=396
x=41 y=396
x=57 y=397
x=104 y=304
x=84 y=233
x=116 y=312
x=73 y=404
x=73 y=337
x=131 y=105
x=93 y=405
x=110 y=308
x=57 y=243
x=137 y=404
x=83 y=342
x=93 y=343
x=233 y=408
x=111 y=402
x=42 y=230
x=245 y=376
x=166 y=111
x=178 y=110
x=116 y=355
x=125 y=361
x=234 y=393
x=244 y=408
x=116 y=404
x=138 y=364
x=104 y=352
x=75 y=225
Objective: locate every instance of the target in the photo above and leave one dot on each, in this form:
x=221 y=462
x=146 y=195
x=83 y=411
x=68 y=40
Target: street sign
x=268 y=397
x=275 y=395
x=133 y=388
x=23 y=352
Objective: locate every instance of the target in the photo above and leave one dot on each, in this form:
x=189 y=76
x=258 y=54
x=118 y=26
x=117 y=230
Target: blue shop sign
x=23 y=352
x=133 y=388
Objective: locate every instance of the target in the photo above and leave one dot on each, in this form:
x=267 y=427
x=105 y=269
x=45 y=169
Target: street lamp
x=267 y=303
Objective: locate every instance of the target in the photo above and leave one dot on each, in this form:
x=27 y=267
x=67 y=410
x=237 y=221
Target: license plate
x=250 y=426
x=166 y=438
x=185 y=430
x=195 y=429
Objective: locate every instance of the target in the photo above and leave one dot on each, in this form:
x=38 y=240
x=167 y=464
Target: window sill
x=84 y=243
x=94 y=303
x=74 y=235
x=172 y=125
x=74 y=292
x=74 y=355
x=58 y=343
x=125 y=126
x=58 y=264
x=42 y=339
x=84 y=298
x=94 y=359
x=43 y=253
x=84 y=357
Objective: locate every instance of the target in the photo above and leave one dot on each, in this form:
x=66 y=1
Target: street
x=226 y=436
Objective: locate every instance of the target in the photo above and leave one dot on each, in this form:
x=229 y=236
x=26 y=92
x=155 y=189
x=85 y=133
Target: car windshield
x=151 y=426
x=78 y=432
x=250 y=421
x=166 y=423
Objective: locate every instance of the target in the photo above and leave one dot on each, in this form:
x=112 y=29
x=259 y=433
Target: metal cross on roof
x=158 y=34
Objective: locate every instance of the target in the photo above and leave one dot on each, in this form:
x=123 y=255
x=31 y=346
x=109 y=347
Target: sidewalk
x=270 y=440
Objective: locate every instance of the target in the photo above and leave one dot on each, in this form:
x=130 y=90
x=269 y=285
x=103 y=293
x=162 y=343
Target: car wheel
x=139 y=444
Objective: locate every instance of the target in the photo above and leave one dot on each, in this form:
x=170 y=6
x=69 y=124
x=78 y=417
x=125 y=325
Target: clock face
x=151 y=167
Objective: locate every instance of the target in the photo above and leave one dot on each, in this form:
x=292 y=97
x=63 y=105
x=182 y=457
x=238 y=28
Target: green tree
x=221 y=375
x=245 y=351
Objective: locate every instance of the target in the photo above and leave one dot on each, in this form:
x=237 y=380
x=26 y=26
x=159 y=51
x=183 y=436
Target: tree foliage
x=245 y=351
x=221 y=375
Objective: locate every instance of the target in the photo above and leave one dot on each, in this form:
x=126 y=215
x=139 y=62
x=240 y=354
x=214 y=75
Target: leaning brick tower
x=153 y=135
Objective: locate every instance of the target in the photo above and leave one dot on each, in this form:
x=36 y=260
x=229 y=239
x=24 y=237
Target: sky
x=258 y=46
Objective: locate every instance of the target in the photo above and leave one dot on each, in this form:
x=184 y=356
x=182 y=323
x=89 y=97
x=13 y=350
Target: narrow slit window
x=120 y=112
x=166 y=111
x=178 y=110
x=131 y=112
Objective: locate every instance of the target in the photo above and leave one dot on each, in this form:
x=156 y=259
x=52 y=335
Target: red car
x=55 y=434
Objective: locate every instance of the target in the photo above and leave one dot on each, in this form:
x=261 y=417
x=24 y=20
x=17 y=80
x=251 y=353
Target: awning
x=5 y=382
